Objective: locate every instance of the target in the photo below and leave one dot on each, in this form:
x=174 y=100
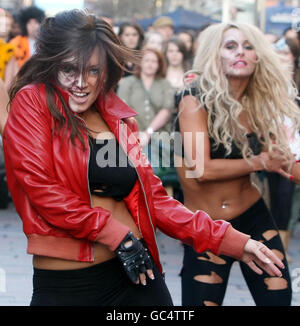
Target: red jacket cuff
x=233 y=243
x=112 y=233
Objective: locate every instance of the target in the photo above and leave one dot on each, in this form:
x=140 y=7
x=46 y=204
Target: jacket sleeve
x=27 y=135
x=197 y=229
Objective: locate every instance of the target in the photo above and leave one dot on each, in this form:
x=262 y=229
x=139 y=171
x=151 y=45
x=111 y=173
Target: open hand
x=259 y=257
x=278 y=162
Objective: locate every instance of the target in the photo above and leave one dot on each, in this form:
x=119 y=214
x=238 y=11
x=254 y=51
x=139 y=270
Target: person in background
x=131 y=35
x=91 y=226
x=197 y=38
x=150 y=94
x=281 y=189
x=176 y=56
x=272 y=38
x=236 y=104
x=6 y=21
x=188 y=37
x=153 y=40
x=15 y=27
x=177 y=62
x=109 y=19
x=164 y=25
x=30 y=19
x=289 y=32
x=8 y=64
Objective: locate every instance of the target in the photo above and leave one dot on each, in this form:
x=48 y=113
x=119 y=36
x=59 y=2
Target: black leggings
x=281 y=199
x=105 y=284
x=205 y=276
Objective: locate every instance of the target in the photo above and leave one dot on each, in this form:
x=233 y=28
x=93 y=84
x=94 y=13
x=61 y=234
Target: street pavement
x=16 y=267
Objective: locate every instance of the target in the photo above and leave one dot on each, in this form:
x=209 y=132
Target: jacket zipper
x=138 y=220
x=145 y=197
x=88 y=162
x=148 y=210
x=88 y=184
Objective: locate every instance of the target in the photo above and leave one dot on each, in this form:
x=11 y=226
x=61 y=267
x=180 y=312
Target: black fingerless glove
x=135 y=258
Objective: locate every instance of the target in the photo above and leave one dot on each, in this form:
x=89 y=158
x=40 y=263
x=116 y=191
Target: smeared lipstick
x=240 y=64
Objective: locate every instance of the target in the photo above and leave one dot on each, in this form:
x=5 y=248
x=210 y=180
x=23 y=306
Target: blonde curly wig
x=268 y=99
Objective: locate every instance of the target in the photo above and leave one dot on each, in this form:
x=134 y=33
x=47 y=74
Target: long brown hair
x=74 y=33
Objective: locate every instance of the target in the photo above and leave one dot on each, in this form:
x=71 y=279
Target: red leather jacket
x=47 y=177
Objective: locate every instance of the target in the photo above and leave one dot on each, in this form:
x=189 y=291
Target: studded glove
x=134 y=257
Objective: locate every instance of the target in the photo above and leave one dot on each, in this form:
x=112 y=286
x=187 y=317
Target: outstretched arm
x=257 y=256
x=201 y=232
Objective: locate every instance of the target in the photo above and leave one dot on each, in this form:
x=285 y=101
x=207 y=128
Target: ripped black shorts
x=205 y=276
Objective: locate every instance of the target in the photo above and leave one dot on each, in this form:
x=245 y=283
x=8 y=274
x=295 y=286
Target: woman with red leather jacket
x=89 y=201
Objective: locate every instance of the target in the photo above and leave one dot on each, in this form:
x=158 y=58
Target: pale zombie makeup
x=238 y=56
x=83 y=87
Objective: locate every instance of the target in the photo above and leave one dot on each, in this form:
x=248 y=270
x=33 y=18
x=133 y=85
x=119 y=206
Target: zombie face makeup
x=237 y=55
x=82 y=86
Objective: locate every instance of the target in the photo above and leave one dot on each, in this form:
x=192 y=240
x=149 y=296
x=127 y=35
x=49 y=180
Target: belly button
x=224 y=204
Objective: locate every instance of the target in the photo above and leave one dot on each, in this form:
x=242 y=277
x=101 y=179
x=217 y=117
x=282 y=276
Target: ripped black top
x=219 y=151
x=110 y=173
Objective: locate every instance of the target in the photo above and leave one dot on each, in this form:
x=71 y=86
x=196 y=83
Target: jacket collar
x=112 y=107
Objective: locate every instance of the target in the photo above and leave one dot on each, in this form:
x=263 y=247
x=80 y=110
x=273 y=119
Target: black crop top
x=220 y=151
x=110 y=173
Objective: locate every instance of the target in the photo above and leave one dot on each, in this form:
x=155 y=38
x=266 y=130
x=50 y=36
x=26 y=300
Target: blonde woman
x=237 y=102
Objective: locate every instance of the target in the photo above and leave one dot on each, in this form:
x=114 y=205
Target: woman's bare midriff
x=119 y=211
x=224 y=199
